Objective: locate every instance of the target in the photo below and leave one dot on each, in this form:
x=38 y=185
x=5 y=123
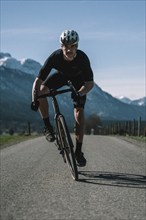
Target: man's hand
x=75 y=96
x=35 y=106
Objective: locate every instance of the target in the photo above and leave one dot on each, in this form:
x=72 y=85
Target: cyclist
x=72 y=64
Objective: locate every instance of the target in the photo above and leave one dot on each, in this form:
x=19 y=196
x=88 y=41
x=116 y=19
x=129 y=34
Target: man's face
x=69 y=51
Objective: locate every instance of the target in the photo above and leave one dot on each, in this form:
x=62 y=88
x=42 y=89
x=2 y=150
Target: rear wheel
x=67 y=144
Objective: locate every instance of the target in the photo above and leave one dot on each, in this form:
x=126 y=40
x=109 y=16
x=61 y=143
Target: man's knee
x=43 y=89
x=78 y=110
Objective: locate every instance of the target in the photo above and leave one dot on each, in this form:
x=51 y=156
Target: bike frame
x=57 y=114
x=62 y=136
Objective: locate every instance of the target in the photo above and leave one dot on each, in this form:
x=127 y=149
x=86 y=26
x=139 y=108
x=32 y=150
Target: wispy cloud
x=19 y=31
x=28 y=33
x=113 y=35
x=130 y=88
x=122 y=81
x=85 y=35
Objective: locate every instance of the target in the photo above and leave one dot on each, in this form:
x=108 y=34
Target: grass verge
x=8 y=140
x=139 y=141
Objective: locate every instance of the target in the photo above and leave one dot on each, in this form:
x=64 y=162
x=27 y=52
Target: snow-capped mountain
x=15 y=90
x=140 y=102
x=29 y=66
x=125 y=99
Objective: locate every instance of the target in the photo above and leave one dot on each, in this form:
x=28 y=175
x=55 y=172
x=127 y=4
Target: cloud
x=113 y=35
x=20 y=31
x=131 y=88
x=129 y=81
x=85 y=35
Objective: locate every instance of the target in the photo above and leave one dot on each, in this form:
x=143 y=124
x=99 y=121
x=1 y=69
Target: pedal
x=61 y=152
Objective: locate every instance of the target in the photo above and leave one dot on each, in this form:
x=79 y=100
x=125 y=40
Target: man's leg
x=44 y=112
x=79 y=119
x=43 y=107
x=54 y=81
x=79 y=132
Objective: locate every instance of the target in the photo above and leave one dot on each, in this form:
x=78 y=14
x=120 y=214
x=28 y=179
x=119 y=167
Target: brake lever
x=35 y=95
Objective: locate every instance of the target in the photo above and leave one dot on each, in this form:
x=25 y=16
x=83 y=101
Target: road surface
x=36 y=184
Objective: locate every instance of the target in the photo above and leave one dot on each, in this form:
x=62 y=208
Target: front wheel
x=67 y=145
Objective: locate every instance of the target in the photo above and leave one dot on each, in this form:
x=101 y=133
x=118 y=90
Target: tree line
x=126 y=127
x=93 y=125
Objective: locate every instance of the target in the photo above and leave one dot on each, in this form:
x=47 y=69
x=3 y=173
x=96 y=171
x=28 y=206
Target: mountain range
x=140 y=102
x=16 y=83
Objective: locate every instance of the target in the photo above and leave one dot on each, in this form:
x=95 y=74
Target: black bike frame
x=57 y=117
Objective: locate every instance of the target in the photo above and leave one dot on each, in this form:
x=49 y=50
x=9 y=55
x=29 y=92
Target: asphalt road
x=36 y=184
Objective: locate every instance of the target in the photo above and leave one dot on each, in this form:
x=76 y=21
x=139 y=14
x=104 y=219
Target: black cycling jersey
x=78 y=68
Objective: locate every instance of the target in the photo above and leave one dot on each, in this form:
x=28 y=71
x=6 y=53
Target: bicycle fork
x=58 y=143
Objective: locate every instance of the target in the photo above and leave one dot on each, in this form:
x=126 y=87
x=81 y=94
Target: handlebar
x=54 y=92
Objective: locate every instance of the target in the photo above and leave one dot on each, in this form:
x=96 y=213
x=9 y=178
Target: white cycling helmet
x=69 y=37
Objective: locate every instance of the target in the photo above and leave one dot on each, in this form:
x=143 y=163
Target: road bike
x=63 y=138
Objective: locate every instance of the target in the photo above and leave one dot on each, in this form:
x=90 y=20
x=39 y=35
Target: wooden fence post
x=133 y=127
x=29 y=130
x=139 y=126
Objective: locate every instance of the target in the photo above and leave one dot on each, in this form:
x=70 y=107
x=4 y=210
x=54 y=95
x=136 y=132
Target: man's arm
x=86 y=88
x=36 y=86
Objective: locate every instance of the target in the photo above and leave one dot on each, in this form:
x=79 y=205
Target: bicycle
x=63 y=138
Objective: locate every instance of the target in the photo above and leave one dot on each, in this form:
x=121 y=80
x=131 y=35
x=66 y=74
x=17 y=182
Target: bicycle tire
x=59 y=144
x=67 y=147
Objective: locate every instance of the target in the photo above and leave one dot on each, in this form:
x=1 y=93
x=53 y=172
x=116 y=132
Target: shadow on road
x=113 y=179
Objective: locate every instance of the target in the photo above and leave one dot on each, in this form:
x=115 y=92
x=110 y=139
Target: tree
x=11 y=131
x=92 y=123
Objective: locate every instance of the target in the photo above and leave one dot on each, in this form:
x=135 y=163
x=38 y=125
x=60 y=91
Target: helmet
x=69 y=37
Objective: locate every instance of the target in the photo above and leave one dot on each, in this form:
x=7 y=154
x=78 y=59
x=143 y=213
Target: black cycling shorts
x=58 y=80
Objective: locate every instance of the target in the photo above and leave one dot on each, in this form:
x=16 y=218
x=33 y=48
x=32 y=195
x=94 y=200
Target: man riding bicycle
x=71 y=64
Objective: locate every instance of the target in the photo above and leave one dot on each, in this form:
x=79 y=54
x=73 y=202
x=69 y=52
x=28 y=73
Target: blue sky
x=112 y=34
